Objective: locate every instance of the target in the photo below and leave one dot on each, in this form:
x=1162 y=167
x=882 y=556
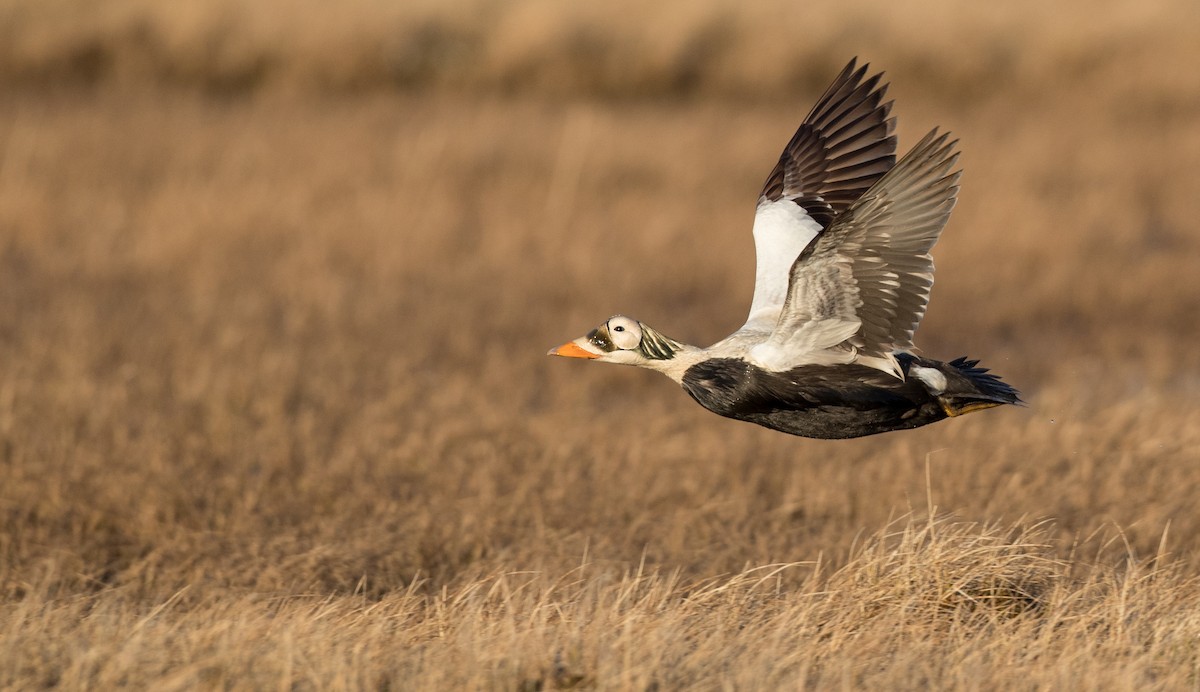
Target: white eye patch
x=624 y=332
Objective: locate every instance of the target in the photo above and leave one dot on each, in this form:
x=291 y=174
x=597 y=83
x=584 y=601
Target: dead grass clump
x=943 y=568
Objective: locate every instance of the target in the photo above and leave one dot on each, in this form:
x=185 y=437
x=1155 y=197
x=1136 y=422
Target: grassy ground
x=276 y=286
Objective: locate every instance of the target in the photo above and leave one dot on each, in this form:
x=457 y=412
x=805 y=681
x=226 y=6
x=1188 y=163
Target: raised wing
x=842 y=148
x=859 y=291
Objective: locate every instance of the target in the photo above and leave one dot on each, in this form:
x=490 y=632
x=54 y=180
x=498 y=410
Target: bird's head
x=622 y=340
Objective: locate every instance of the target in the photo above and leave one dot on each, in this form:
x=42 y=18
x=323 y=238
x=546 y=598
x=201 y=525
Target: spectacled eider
x=842 y=236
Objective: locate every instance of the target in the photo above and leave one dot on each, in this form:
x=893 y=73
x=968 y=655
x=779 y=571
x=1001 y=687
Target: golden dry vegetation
x=277 y=280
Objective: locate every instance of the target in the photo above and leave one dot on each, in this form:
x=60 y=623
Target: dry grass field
x=277 y=281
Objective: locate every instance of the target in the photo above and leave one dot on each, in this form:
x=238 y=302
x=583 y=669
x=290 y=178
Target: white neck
x=675 y=367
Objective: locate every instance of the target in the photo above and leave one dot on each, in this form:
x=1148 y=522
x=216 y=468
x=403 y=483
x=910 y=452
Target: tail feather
x=974 y=388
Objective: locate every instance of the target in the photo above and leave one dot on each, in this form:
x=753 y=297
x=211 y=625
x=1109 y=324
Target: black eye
x=618 y=328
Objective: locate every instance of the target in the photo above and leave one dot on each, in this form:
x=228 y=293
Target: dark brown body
x=842 y=401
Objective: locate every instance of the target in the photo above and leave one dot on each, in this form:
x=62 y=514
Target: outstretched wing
x=843 y=147
x=859 y=291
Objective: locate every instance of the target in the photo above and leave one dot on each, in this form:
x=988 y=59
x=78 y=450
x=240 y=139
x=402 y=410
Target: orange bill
x=571 y=350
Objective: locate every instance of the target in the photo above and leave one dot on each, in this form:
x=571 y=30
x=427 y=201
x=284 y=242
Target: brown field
x=277 y=280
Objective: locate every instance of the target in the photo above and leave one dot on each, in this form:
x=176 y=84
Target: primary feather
x=857 y=293
x=844 y=146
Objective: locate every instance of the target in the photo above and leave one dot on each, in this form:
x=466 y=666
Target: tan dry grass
x=766 y=48
x=274 y=409
x=932 y=603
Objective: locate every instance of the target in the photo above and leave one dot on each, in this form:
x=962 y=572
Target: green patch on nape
x=655 y=346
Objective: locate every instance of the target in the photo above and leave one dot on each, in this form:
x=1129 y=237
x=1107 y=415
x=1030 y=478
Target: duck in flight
x=842 y=236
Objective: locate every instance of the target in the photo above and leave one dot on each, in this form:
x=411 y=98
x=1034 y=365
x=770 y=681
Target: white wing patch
x=782 y=229
x=812 y=344
x=861 y=292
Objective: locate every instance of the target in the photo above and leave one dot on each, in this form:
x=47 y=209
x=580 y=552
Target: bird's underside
x=844 y=401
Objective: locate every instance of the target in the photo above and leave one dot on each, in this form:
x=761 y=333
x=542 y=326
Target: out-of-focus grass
x=274 y=406
x=767 y=48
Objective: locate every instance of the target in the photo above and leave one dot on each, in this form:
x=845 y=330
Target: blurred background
x=277 y=280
